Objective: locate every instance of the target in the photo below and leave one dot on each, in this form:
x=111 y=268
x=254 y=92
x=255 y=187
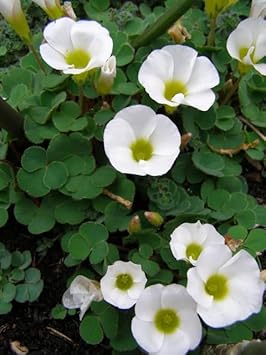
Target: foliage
x=61 y=181
x=18 y=280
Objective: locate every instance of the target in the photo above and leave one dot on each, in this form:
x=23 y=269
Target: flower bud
x=107 y=75
x=14 y=15
x=154 y=218
x=214 y=7
x=51 y=7
x=258 y=8
x=68 y=10
x=178 y=33
x=134 y=225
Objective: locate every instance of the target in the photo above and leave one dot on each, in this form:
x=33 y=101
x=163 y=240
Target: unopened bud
x=185 y=139
x=68 y=10
x=214 y=7
x=134 y=225
x=154 y=218
x=107 y=75
x=178 y=33
x=52 y=7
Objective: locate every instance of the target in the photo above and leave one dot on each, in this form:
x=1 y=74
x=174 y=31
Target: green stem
x=10 y=120
x=231 y=92
x=81 y=97
x=211 y=36
x=36 y=56
x=162 y=24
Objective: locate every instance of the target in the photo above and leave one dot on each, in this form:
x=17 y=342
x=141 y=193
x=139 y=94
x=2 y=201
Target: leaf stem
x=254 y=129
x=37 y=58
x=231 y=92
x=81 y=97
x=117 y=198
x=211 y=36
x=162 y=24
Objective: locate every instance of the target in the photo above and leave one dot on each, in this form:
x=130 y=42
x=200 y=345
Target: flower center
x=172 y=88
x=193 y=251
x=166 y=321
x=217 y=287
x=244 y=51
x=141 y=149
x=124 y=282
x=78 y=58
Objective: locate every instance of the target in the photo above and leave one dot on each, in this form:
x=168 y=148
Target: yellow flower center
x=217 y=286
x=141 y=149
x=78 y=58
x=124 y=282
x=193 y=251
x=166 y=321
x=174 y=87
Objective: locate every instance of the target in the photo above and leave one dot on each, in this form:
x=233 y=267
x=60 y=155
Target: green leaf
x=90 y=330
x=99 y=252
x=79 y=246
x=238 y=332
x=103 y=176
x=124 y=55
x=256 y=240
x=32 y=275
x=208 y=162
x=103 y=116
x=5 y=307
x=5 y=179
x=5 y=259
x=59 y=312
x=109 y=321
x=33 y=158
x=257 y=322
x=28 y=292
x=71 y=212
x=3 y=216
x=8 y=293
x=218 y=199
x=100 y=5
x=124 y=340
x=246 y=218
x=55 y=175
x=32 y=183
x=237 y=232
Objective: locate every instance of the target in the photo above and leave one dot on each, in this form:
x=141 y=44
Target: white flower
x=138 y=141
x=51 y=7
x=12 y=12
x=166 y=322
x=189 y=239
x=81 y=293
x=174 y=75
x=258 y=8
x=123 y=283
x=107 y=75
x=247 y=44
x=227 y=289
x=75 y=47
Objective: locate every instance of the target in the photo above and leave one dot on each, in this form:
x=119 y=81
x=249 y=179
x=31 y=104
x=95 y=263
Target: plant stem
x=10 y=120
x=254 y=129
x=119 y=199
x=231 y=91
x=81 y=98
x=211 y=36
x=162 y=24
x=36 y=56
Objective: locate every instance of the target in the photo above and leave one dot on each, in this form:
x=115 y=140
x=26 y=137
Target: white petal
x=135 y=270
x=211 y=259
x=118 y=134
x=120 y=299
x=83 y=310
x=204 y=76
x=121 y=159
x=184 y=58
x=177 y=100
x=158 y=165
x=260 y=48
x=100 y=50
x=261 y=68
x=201 y=100
x=6 y=7
x=159 y=64
x=68 y=300
x=149 y=303
x=146 y=335
x=135 y=291
x=196 y=288
x=178 y=250
x=165 y=138
x=176 y=297
x=174 y=344
x=211 y=235
x=53 y=58
x=190 y=325
x=239 y=38
x=142 y=120
x=84 y=31
x=57 y=34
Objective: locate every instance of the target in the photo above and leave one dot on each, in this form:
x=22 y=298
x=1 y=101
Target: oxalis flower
x=189 y=239
x=166 y=322
x=106 y=77
x=258 y=8
x=138 y=141
x=12 y=12
x=123 y=284
x=51 y=7
x=81 y=293
x=247 y=44
x=227 y=289
x=75 y=47
x=174 y=75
